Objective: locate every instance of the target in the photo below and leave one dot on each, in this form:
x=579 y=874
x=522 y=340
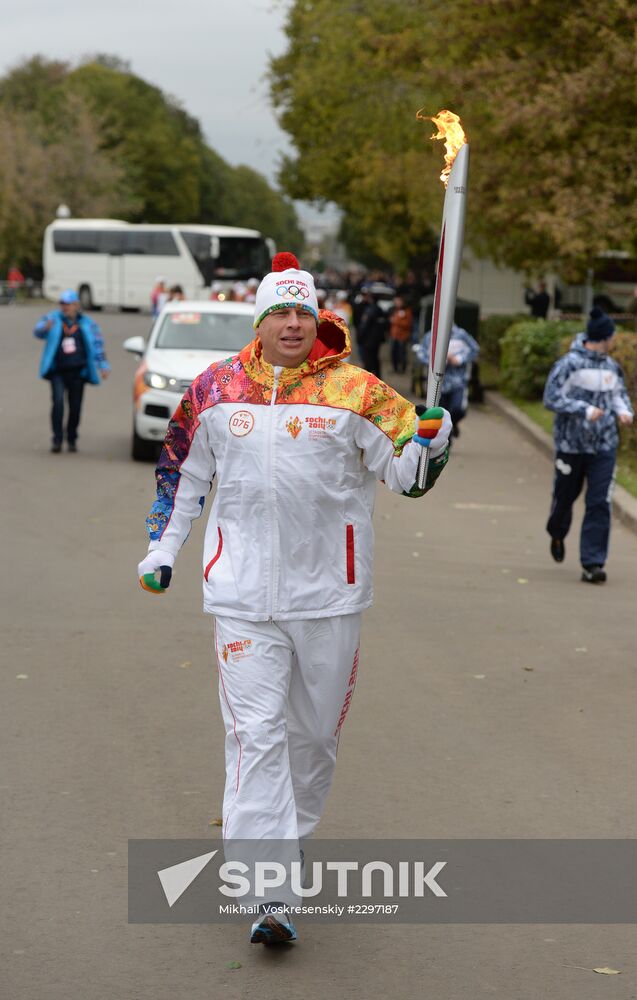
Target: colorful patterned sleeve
x=184 y=476
x=385 y=436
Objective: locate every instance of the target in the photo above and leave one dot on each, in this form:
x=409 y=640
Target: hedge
x=528 y=350
x=492 y=329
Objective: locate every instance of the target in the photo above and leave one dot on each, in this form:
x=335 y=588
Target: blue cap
x=69 y=296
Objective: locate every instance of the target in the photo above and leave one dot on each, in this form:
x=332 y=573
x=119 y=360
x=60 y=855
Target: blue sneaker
x=273 y=925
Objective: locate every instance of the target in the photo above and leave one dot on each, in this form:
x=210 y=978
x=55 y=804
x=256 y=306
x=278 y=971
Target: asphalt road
x=495 y=698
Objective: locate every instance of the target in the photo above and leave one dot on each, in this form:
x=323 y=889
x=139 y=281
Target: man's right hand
x=158 y=560
x=593 y=413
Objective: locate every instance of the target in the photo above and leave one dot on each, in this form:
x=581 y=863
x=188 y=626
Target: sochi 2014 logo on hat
x=241 y=423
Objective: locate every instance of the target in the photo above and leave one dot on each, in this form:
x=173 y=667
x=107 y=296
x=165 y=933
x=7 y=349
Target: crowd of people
x=378 y=308
x=163 y=293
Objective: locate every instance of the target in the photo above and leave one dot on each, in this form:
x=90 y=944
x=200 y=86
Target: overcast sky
x=210 y=54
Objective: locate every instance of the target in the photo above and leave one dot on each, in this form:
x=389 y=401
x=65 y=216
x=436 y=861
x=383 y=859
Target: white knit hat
x=285 y=286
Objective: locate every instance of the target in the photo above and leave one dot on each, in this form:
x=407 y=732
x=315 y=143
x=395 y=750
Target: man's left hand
x=433 y=428
x=625 y=419
x=105 y=372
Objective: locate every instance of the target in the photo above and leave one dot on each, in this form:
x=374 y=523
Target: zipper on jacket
x=274 y=570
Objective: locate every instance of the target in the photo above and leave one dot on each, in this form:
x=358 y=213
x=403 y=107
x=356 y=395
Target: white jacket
x=296 y=453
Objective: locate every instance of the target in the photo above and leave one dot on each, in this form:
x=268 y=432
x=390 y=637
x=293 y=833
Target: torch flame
x=449 y=129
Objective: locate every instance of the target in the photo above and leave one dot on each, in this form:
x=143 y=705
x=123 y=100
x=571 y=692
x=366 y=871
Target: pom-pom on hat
x=600 y=326
x=286 y=285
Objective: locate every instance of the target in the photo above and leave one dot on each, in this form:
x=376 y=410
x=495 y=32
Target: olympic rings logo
x=294 y=291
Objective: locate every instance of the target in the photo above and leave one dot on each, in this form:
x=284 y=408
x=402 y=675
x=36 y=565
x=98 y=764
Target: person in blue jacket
x=73 y=355
x=586 y=391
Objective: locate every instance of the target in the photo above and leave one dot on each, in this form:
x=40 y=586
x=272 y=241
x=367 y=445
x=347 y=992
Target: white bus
x=114 y=263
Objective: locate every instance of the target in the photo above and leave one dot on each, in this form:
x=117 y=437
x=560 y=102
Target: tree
x=547 y=92
x=36 y=176
x=110 y=144
x=252 y=202
x=551 y=93
x=347 y=91
x=157 y=143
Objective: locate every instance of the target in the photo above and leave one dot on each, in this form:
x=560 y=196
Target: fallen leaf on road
x=522 y=579
x=528 y=668
x=479 y=677
x=581 y=649
x=420 y=534
x=603 y=970
x=215 y=822
x=233 y=965
x=21 y=677
x=505 y=570
x=186 y=663
x=415 y=554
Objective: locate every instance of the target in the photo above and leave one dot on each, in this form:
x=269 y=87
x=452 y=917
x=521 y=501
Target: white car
x=186 y=338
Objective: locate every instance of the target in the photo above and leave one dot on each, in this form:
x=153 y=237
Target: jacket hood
x=577 y=345
x=577 y=342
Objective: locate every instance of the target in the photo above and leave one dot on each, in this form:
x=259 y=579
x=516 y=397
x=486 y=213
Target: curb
x=624 y=505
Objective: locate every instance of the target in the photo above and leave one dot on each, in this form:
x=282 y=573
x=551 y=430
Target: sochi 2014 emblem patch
x=238 y=650
x=294 y=427
x=241 y=423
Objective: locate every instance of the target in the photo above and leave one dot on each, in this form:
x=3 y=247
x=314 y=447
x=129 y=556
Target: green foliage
x=547 y=91
x=492 y=329
x=528 y=350
x=624 y=350
x=156 y=142
x=347 y=91
x=39 y=169
x=107 y=143
x=248 y=196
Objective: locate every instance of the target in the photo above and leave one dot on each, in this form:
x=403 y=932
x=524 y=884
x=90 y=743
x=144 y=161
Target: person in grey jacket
x=586 y=391
x=463 y=351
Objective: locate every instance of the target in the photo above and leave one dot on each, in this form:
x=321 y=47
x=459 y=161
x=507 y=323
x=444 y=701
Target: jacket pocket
x=215 y=557
x=349 y=553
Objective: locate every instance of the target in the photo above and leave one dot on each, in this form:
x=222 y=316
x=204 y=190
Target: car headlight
x=155 y=381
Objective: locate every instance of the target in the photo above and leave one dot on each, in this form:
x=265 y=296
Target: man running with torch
x=296 y=438
x=454 y=177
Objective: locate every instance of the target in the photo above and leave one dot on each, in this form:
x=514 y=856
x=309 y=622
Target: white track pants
x=285 y=688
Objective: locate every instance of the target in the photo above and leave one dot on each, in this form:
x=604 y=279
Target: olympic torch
x=454 y=177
